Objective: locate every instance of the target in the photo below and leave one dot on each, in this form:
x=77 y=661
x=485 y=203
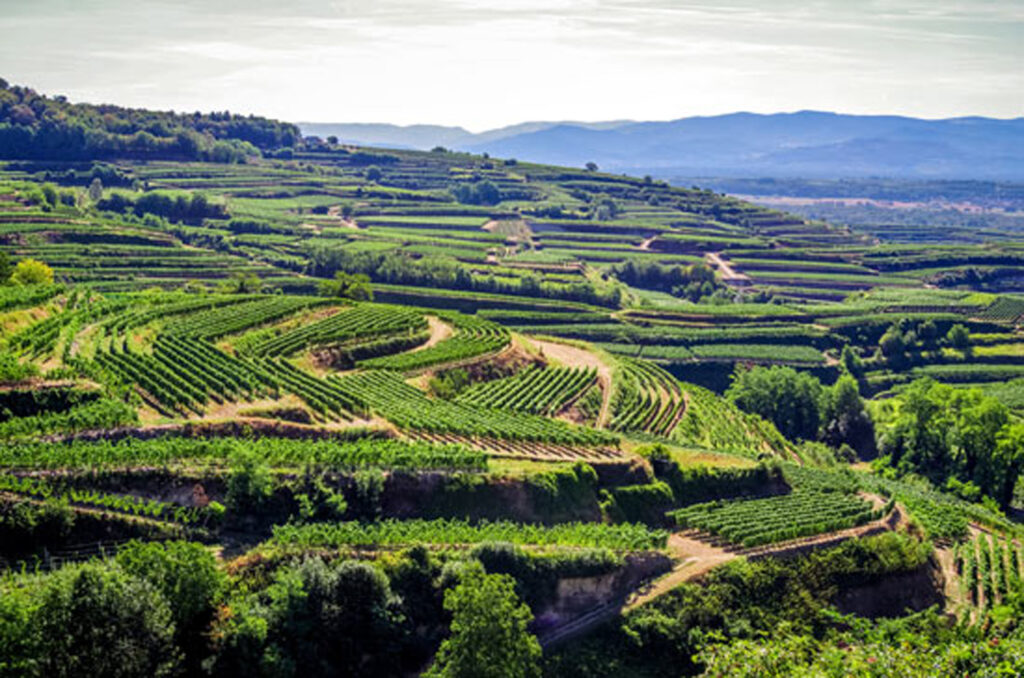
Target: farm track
x=439 y=331
x=696 y=555
x=729 y=274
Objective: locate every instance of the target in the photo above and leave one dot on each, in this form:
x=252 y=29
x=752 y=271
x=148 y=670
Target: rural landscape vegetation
x=280 y=404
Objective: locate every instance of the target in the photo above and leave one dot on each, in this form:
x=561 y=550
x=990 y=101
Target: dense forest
x=37 y=127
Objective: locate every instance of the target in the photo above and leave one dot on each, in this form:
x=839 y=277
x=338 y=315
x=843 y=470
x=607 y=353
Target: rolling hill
x=805 y=143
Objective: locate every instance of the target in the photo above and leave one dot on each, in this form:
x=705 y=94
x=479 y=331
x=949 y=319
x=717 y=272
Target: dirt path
x=335 y=211
x=725 y=268
x=696 y=558
x=646 y=244
x=697 y=554
x=952 y=590
x=439 y=331
x=573 y=356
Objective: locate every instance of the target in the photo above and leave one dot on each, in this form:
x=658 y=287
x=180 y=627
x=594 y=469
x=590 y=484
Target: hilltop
x=802 y=144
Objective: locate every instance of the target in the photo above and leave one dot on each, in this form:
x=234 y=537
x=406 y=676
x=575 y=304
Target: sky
x=482 y=64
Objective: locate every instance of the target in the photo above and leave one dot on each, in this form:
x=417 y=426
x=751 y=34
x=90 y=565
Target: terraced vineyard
x=755 y=522
x=647 y=399
x=474 y=337
x=989 y=569
x=537 y=391
x=361 y=322
x=455 y=532
x=385 y=393
x=414 y=369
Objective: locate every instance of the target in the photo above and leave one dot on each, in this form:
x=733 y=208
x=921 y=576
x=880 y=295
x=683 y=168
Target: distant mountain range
x=804 y=144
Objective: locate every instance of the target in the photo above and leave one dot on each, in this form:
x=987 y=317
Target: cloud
x=487 y=62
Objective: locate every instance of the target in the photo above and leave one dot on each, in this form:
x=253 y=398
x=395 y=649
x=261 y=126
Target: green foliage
x=941 y=432
x=449 y=383
x=644 y=503
x=385 y=393
x=884 y=649
x=314 y=619
x=11 y=369
x=46 y=488
x=561 y=494
x=792 y=597
x=27 y=527
x=35 y=126
x=695 y=282
x=533 y=390
x=789 y=399
x=98 y=414
x=537 y=573
x=409 y=532
x=177 y=208
x=846 y=421
x=348 y=286
x=959 y=337
x=338 y=455
x=100 y=621
x=478 y=193
x=31 y=272
x=250 y=484
x=190 y=580
x=489 y=636
x=763 y=521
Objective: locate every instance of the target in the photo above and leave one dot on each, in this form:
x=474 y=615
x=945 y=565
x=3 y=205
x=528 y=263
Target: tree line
x=37 y=127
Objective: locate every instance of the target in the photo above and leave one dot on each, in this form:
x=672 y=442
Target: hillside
x=296 y=414
x=802 y=144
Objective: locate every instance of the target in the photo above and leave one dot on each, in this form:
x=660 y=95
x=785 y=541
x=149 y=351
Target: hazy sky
x=485 y=63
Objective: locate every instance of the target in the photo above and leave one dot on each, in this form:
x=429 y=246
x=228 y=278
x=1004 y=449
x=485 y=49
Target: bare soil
x=439 y=331
x=725 y=268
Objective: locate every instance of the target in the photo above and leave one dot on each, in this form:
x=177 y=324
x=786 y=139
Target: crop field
x=989 y=570
x=537 y=391
x=454 y=532
x=764 y=521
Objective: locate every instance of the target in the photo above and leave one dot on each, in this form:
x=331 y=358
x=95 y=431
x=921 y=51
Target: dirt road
x=729 y=274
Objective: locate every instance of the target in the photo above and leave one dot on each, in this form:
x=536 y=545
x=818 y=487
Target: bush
x=250 y=484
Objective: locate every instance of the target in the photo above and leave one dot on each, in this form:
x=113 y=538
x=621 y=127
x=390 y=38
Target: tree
x=892 y=343
x=97 y=620
x=348 y=286
x=846 y=420
x=944 y=432
x=240 y=283
x=188 y=577
x=793 y=401
x=478 y=193
x=373 y=173
x=489 y=636
x=32 y=272
x=959 y=337
x=851 y=362
x=591 y=166
x=315 y=619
